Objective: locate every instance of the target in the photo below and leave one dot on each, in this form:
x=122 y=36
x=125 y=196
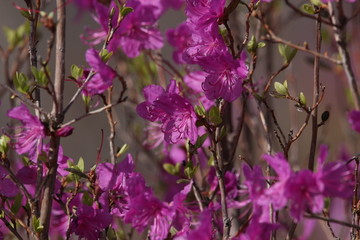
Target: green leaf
x=21 y=83
x=261 y=45
x=280 y=89
x=302 y=99
x=285 y=84
x=26 y=14
x=37 y=225
x=87 y=199
x=77 y=172
x=190 y=170
x=200 y=140
x=182 y=180
x=252 y=44
x=214 y=115
x=171 y=168
x=40 y=77
x=11 y=36
x=288 y=53
x=105 y=55
x=17 y=204
x=76 y=72
x=316 y=2
x=200 y=110
x=308 y=8
x=81 y=164
x=4 y=144
x=223 y=132
x=122 y=150
x=125 y=11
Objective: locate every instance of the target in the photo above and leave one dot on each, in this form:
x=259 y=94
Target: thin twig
x=355 y=214
x=331 y=220
x=274 y=38
x=339 y=34
x=11 y=228
x=314 y=117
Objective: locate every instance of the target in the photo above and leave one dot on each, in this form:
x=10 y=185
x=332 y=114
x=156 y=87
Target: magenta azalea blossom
x=103 y=77
x=196 y=94
x=204 y=13
x=304 y=193
x=354 y=120
x=29 y=139
x=225 y=77
x=137 y=31
x=89 y=222
x=276 y=193
x=179 y=38
x=174 y=112
x=335 y=178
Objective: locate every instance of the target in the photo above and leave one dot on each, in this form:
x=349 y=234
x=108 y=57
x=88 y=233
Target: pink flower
x=225 y=77
x=335 y=178
x=89 y=222
x=174 y=112
x=137 y=31
x=304 y=193
x=103 y=77
x=29 y=140
x=179 y=38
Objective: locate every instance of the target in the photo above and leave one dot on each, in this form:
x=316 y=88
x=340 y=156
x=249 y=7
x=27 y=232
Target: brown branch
x=274 y=38
x=314 y=117
x=355 y=214
x=220 y=173
x=331 y=220
x=56 y=119
x=298 y=11
x=339 y=35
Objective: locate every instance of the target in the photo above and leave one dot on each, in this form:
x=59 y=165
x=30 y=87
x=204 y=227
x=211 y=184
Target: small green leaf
x=223 y=132
x=87 y=199
x=37 y=225
x=11 y=36
x=285 y=84
x=280 y=89
x=182 y=180
x=76 y=72
x=261 y=45
x=302 y=99
x=308 y=8
x=171 y=168
x=214 y=115
x=16 y=204
x=21 y=83
x=40 y=77
x=252 y=44
x=288 y=53
x=77 y=172
x=125 y=11
x=200 y=140
x=122 y=150
x=26 y=14
x=316 y=2
x=81 y=164
x=190 y=170
x=200 y=110
x=4 y=144
x=105 y=55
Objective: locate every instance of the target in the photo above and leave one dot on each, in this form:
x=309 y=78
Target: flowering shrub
x=209 y=122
